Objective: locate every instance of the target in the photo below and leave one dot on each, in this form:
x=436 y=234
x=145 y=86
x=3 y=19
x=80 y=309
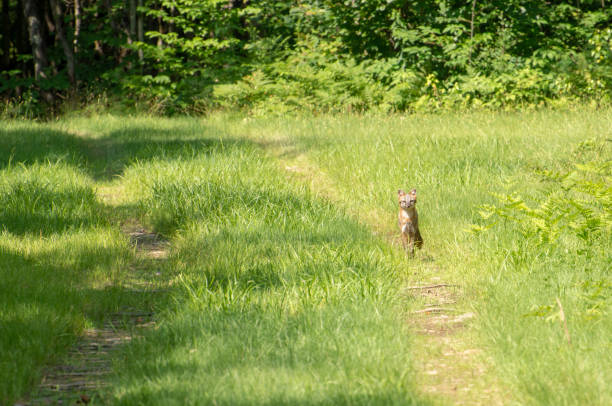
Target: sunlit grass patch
x=270 y=285
x=245 y=353
x=47 y=198
x=458 y=163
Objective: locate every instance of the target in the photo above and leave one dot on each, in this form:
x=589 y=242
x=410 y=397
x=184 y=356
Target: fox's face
x=406 y=200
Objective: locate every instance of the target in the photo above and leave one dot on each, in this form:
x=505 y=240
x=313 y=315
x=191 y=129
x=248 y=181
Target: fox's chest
x=405 y=222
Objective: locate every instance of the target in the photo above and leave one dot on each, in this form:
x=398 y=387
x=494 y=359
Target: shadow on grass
x=48 y=294
x=56 y=272
x=61 y=277
x=35 y=206
x=105 y=157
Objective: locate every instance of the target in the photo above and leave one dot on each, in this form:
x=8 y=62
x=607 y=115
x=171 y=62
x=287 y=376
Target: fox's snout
x=407 y=203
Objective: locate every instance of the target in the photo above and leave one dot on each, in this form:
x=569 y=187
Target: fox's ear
x=401 y=192
x=413 y=192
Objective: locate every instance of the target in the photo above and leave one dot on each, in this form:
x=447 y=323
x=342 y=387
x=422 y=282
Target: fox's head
x=406 y=200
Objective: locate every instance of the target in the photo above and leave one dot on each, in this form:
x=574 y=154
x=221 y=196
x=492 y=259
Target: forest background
x=191 y=56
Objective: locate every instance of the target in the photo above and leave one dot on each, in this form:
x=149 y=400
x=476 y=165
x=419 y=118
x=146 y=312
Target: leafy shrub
x=322 y=55
x=316 y=78
x=572 y=219
x=578 y=204
x=27 y=106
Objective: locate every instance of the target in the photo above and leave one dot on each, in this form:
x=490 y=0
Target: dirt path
x=451 y=369
x=450 y=365
x=86 y=369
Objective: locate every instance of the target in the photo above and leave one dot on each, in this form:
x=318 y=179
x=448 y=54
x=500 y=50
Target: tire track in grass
x=451 y=370
x=85 y=371
x=451 y=367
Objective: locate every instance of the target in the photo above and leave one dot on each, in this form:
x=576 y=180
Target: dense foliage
x=191 y=55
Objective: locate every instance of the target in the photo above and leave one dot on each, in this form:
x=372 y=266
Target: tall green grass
x=56 y=256
x=457 y=163
x=281 y=299
x=284 y=287
x=278 y=296
x=64 y=263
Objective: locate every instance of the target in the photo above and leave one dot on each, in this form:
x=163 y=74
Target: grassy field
x=285 y=282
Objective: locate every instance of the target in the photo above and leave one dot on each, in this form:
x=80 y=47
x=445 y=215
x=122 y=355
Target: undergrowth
x=561 y=261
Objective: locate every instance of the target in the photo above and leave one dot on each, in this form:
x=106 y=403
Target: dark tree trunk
x=111 y=18
x=5 y=63
x=48 y=32
x=132 y=29
x=58 y=17
x=171 y=27
x=77 y=24
x=33 y=21
x=35 y=27
x=160 y=28
x=140 y=30
x=21 y=42
x=132 y=11
x=46 y=13
x=118 y=30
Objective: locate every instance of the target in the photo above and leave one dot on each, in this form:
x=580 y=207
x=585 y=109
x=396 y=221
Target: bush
x=572 y=221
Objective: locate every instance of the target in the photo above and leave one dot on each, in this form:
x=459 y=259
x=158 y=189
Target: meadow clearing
x=284 y=281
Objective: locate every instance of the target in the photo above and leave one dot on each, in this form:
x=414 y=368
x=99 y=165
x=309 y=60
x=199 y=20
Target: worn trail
x=85 y=370
x=451 y=366
x=451 y=369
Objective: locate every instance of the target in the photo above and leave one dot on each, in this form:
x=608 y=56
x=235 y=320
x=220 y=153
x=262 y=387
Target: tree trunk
x=48 y=33
x=21 y=42
x=160 y=28
x=132 y=29
x=45 y=12
x=77 y=25
x=6 y=36
x=117 y=28
x=472 y=31
x=111 y=18
x=33 y=20
x=58 y=17
x=140 y=30
x=132 y=21
x=30 y=11
x=171 y=25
